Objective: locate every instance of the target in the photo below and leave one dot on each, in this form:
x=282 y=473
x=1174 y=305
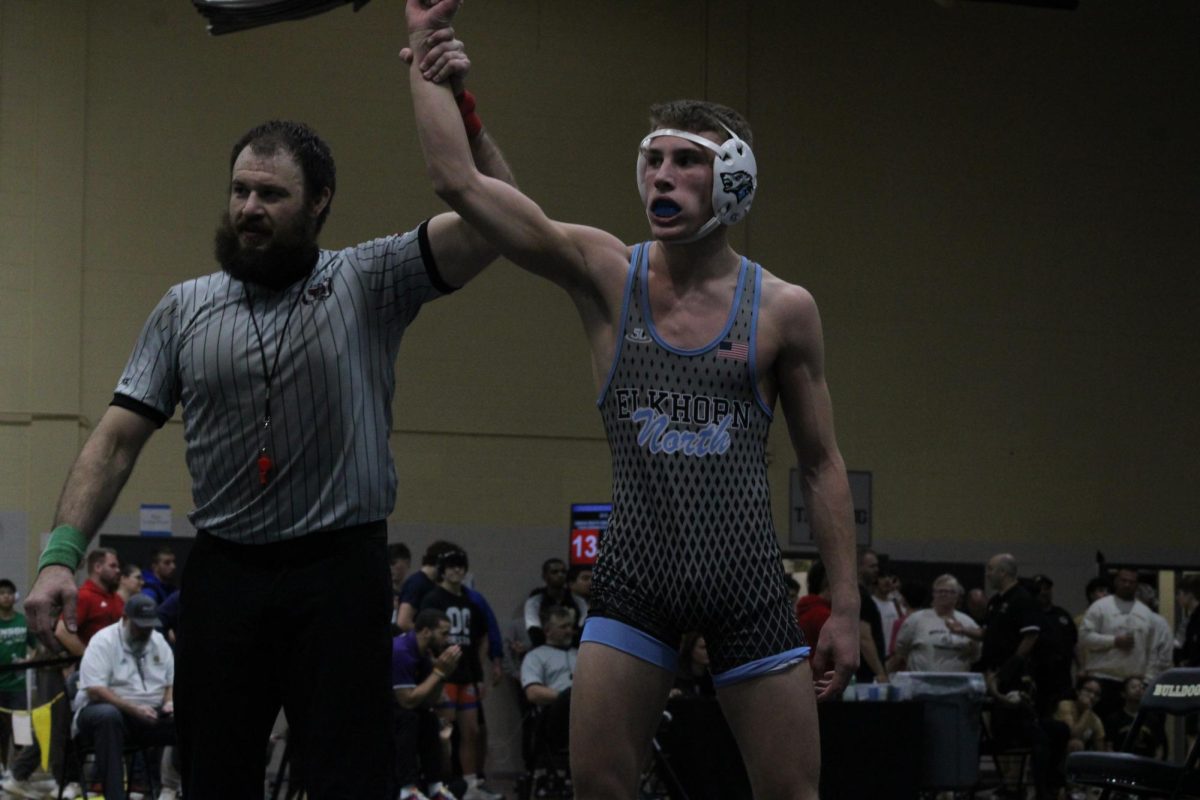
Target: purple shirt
x=409 y=667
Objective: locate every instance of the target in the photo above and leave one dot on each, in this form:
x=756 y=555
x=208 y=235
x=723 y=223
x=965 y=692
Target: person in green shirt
x=16 y=642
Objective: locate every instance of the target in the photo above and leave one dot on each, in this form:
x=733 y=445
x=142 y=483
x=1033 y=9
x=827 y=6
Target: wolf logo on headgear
x=740 y=184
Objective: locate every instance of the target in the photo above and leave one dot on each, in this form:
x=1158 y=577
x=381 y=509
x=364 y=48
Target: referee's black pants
x=303 y=625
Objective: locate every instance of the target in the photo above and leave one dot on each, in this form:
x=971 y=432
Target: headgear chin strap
x=735 y=177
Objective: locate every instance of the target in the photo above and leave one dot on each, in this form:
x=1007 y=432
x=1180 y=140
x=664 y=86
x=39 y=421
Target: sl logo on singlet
x=637 y=336
x=661 y=408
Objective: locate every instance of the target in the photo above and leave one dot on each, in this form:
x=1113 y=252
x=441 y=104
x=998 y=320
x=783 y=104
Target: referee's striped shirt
x=331 y=403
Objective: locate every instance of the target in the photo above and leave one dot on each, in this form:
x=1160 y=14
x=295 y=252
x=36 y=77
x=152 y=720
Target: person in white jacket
x=1123 y=638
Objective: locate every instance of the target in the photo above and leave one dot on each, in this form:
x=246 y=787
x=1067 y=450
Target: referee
x=283 y=363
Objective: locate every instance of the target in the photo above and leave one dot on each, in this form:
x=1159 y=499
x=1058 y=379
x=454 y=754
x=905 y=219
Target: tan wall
x=995 y=207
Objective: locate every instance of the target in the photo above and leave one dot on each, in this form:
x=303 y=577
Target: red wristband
x=466 y=106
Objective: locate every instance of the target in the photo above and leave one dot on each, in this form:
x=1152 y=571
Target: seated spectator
x=554 y=592
x=692 y=677
x=160 y=575
x=97 y=606
x=814 y=608
x=131 y=581
x=1086 y=729
x=579 y=582
x=422 y=659
x=547 y=673
x=1151 y=740
x=125 y=685
x=937 y=639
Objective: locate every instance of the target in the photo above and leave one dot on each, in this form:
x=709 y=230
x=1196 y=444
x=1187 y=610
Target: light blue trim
x=763 y=666
x=638 y=249
x=630 y=640
x=770 y=412
x=645 y=299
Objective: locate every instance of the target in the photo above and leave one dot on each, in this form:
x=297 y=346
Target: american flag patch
x=738 y=351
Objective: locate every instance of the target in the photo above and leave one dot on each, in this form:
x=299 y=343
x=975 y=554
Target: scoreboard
x=588 y=521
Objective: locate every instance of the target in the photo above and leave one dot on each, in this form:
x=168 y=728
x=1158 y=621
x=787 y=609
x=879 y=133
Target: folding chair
x=1009 y=763
x=1175 y=692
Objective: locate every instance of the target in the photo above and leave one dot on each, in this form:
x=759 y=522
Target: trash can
x=951 y=703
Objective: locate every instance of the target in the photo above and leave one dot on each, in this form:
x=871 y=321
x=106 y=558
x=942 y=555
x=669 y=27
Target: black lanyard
x=264 y=460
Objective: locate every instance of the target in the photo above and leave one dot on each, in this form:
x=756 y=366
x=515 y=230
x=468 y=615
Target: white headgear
x=735 y=176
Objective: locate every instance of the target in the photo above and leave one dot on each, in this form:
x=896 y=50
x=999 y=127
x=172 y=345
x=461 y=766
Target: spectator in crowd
x=1097 y=587
x=1188 y=642
x=160 y=575
x=1086 y=729
x=516 y=645
x=889 y=610
x=1162 y=647
x=1054 y=653
x=461 y=701
x=125 y=695
x=1120 y=634
x=399 y=562
x=1151 y=739
x=977 y=605
x=814 y=608
x=131 y=581
x=1147 y=594
x=98 y=605
x=16 y=644
x=420 y=583
x=937 y=639
x=579 y=582
x=422 y=660
x=793 y=589
x=692 y=677
x=1009 y=636
x=554 y=592
x=412 y=594
x=1013 y=621
x=872 y=645
x=547 y=673
x=168 y=615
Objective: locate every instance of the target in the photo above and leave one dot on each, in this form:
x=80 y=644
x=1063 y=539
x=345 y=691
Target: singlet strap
x=639 y=253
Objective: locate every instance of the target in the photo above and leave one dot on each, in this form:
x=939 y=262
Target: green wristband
x=66 y=547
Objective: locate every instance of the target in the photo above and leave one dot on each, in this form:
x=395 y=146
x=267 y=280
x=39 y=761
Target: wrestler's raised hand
x=424 y=15
x=445 y=58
